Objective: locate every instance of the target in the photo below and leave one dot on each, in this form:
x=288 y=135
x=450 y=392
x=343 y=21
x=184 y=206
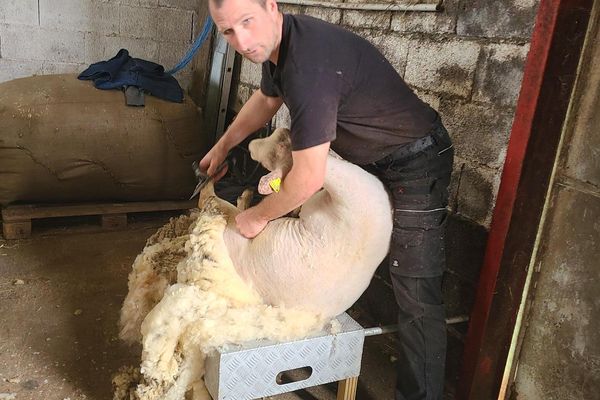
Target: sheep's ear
x=281 y=134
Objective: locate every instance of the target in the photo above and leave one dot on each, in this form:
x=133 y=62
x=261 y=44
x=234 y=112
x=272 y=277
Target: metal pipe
x=457 y=320
x=380 y=330
x=365 y=7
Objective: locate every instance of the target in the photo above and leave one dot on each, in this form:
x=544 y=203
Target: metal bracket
x=219 y=86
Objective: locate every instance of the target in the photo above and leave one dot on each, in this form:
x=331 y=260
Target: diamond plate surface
x=249 y=372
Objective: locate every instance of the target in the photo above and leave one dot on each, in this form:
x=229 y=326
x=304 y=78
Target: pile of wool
x=185 y=301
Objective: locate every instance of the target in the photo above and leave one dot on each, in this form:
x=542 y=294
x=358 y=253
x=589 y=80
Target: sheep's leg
x=243 y=202
x=207 y=192
x=199 y=391
x=146 y=288
x=191 y=371
x=209 y=200
x=162 y=329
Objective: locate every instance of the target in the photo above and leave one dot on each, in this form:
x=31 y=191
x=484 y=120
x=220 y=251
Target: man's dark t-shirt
x=340 y=88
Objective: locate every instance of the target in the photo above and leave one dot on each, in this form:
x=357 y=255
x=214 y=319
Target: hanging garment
x=123 y=71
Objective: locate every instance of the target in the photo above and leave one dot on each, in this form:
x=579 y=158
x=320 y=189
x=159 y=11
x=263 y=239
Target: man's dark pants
x=418 y=181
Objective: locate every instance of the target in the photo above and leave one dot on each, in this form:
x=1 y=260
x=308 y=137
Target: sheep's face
x=273 y=152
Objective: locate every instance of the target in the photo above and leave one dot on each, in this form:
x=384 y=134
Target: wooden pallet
x=16 y=220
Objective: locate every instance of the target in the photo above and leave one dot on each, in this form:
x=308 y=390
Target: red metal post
x=548 y=80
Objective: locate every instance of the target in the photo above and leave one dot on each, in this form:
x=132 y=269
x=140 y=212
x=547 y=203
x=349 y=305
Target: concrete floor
x=60 y=296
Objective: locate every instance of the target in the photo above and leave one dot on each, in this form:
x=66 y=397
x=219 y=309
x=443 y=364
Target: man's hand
x=255 y=113
x=304 y=179
x=250 y=223
x=212 y=160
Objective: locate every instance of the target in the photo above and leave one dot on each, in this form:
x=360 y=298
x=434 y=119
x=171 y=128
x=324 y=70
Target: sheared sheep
x=199 y=285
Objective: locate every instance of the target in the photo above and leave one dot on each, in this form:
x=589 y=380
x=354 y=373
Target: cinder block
x=366 y=19
x=80 y=15
x=11 y=69
x=50 y=68
x=289 y=8
x=283 y=118
x=443 y=67
x=176 y=25
x=432 y=99
x=250 y=73
x=474 y=188
x=326 y=14
x=101 y=48
x=392 y=46
x=424 y=22
x=19 y=12
x=500 y=18
x=140 y=22
x=170 y=53
x=480 y=133
x=140 y=3
x=42 y=44
x=241 y=96
x=192 y=5
x=499 y=74
x=160 y=24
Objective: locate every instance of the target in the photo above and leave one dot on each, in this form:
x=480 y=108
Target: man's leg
x=422 y=338
x=421 y=315
x=417 y=261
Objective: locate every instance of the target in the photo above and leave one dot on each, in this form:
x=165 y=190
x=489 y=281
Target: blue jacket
x=123 y=70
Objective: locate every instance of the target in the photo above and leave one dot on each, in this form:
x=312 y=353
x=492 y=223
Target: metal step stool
x=254 y=370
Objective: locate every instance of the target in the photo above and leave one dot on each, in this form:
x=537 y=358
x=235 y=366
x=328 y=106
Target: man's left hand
x=249 y=224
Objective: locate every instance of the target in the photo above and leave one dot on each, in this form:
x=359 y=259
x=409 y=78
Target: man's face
x=252 y=30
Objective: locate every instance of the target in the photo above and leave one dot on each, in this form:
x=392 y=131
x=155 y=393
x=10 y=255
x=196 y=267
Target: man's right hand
x=212 y=160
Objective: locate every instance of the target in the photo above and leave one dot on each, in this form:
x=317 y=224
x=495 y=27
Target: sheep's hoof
x=243 y=202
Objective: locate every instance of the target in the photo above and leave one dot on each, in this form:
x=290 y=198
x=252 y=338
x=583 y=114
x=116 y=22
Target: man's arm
x=304 y=179
x=255 y=113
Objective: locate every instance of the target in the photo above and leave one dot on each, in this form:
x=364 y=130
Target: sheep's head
x=273 y=152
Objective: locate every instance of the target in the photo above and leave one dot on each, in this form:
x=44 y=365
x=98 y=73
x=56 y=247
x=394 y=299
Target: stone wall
x=59 y=36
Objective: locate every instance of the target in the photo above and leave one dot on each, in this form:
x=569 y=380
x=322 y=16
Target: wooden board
x=16 y=220
x=347 y=389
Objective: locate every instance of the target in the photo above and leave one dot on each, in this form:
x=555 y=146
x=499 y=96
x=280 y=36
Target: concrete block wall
x=467 y=62
x=60 y=36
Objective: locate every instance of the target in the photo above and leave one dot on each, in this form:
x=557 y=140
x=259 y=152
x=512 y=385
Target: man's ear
x=271 y=5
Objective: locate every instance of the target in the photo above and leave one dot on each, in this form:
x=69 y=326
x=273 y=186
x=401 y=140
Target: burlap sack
x=62 y=140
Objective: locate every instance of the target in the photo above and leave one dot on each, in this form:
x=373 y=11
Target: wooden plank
x=16 y=230
x=32 y=211
x=347 y=389
x=114 y=221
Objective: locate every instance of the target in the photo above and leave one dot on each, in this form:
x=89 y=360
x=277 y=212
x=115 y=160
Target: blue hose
x=194 y=49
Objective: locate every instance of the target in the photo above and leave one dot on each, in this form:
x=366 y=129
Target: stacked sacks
x=62 y=140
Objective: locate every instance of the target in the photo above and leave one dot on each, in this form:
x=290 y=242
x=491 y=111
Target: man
x=342 y=93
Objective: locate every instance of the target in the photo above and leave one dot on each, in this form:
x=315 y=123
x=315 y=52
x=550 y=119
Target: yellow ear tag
x=275 y=184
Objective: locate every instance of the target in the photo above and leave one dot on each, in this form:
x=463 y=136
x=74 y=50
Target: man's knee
x=418 y=297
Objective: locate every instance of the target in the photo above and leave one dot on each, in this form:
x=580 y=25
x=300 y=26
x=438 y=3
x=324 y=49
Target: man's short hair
x=219 y=3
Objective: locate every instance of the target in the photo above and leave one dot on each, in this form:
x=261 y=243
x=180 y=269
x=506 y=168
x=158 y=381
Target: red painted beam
x=521 y=130
x=548 y=80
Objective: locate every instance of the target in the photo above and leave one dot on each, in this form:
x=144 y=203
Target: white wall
x=58 y=36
